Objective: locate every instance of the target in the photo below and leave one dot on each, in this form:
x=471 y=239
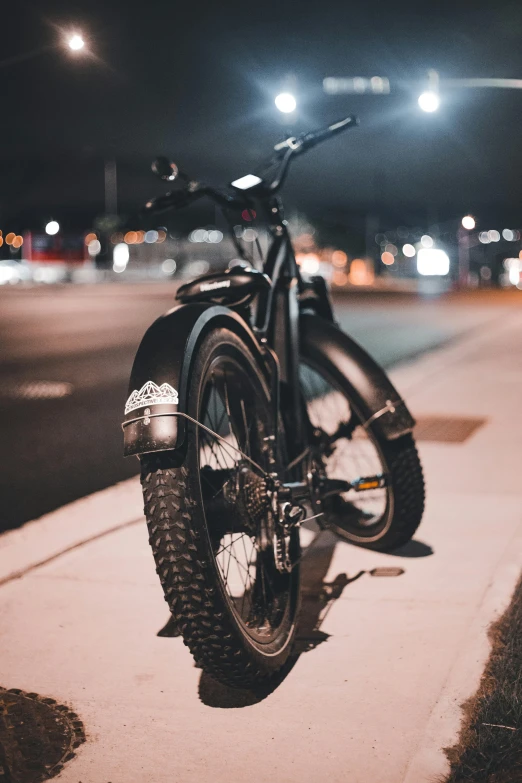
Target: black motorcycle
x=251 y=413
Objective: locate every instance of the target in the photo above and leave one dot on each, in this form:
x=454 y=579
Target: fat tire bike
x=252 y=412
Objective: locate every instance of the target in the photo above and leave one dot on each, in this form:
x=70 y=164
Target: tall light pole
x=467 y=224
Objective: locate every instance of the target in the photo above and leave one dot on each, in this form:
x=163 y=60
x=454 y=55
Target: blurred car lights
x=494 y=236
x=151 y=237
x=310 y=263
x=432 y=261
x=10 y=238
x=484 y=237
x=468 y=221
x=408 y=250
x=120 y=257
x=94 y=247
x=361 y=272
x=340 y=278
x=339 y=258
x=168 y=267
x=387 y=258
x=426 y=241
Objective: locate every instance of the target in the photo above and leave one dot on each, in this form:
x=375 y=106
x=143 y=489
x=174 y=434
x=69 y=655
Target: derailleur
x=289 y=516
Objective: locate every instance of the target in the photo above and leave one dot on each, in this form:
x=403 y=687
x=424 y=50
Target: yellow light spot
x=131 y=237
x=387 y=258
x=339 y=278
x=90 y=238
x=10 y=237
x=1 y=241
x=18 y=241
x=140 y=237
x=339 y=258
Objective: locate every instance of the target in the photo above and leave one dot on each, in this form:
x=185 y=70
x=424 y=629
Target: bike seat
x=235 y=286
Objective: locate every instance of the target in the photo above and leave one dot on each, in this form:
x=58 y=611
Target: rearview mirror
x=165 y=169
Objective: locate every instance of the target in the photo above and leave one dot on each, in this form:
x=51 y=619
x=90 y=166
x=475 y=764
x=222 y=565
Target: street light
x=75 y=42
x=52 y=228
x=468 y=221
x=285 y=102
x=429 y=101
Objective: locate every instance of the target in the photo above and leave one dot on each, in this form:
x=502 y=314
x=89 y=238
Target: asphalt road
x=79 y=342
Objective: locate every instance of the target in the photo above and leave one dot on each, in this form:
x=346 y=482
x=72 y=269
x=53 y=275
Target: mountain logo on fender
x=151 y=394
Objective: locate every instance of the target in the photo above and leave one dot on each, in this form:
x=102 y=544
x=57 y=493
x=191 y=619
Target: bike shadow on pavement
x=317 y=598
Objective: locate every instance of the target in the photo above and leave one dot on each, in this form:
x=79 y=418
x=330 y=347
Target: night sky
x=196 y=80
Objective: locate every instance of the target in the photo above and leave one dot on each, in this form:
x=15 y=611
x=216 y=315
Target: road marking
x=37 y=390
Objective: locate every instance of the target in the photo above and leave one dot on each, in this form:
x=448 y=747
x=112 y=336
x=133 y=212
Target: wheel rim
x=360 y=514
x=238 y=515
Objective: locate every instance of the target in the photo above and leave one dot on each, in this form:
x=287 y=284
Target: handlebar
x=304 y=142
x=285 y=150
x=177 y=199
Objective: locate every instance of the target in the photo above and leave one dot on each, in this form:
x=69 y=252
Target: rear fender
x=160 y=375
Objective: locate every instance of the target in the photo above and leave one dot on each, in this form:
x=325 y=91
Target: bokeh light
x=285 y=102
x=429 y=101
x=52 y=228
x=339 y=258
x=76 y=42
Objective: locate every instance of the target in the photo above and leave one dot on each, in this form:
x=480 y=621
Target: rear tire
x=242 y=646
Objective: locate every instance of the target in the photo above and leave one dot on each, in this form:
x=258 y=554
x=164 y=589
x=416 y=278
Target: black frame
x=169 y=347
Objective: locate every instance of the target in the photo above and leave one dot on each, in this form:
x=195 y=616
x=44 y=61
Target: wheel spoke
x=236 y=410
x=346 y=453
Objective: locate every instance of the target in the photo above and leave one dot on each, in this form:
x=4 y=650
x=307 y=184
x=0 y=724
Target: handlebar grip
x=315 y=137
x=308 y=140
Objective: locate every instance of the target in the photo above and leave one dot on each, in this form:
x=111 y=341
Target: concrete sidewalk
x=375 y=702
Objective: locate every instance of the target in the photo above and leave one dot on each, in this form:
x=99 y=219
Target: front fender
x=160 y=375
x=376 y=400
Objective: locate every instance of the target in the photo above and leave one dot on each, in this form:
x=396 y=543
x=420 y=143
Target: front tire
x=384 y=518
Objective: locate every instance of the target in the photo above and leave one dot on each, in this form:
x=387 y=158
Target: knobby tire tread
x=188 y=579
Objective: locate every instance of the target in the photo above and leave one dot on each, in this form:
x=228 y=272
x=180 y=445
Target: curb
x=429 y=763
x=70 y=526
